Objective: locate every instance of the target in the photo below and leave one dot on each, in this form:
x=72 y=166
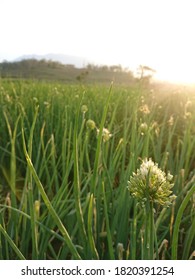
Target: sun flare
x=183 y=75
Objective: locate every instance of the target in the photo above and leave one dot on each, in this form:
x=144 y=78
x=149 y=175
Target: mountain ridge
x=77 y=61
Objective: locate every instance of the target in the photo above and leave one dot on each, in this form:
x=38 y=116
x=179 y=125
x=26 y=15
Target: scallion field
x=73 y=184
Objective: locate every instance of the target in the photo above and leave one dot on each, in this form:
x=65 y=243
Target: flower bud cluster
x=91 y=124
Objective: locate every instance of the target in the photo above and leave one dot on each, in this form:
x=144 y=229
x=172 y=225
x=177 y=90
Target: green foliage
x=55 y=71
x=66 y=155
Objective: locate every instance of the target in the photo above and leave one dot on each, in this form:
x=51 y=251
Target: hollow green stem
x=151 y=219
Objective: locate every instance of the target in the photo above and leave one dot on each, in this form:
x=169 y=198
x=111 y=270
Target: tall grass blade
x=90 y=230
x=109 y=236
x=79 y=213
x=178 y=222
x=189 y=239
x=99 y=143
x=12 y=244
x=49 y=205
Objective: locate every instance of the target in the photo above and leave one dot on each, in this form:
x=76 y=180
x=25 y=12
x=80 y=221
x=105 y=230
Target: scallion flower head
x=91 y=124
x=84 y=109
x=151 y=184
x=143 y=128
x=106 y=135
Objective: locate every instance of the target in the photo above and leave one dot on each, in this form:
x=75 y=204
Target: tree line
x=54 y=70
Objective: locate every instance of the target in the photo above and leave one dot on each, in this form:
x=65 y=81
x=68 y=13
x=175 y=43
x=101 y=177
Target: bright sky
x=156 y=33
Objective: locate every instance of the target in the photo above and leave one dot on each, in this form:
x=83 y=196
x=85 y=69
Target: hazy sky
x=157 y=33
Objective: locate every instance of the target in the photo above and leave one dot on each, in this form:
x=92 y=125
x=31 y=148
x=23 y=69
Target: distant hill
x=77 y=61
x=43 y=69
